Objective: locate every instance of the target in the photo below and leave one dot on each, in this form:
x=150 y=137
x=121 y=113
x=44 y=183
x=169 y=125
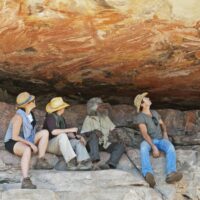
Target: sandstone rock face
x=112 y=48
x=106 y=184
x=183 y=128
x=29 y=194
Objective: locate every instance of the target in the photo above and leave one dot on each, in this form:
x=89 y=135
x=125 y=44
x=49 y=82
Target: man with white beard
x=96 y=129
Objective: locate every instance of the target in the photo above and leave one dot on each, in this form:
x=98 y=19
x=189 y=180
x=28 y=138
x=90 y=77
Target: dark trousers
x=115 y=149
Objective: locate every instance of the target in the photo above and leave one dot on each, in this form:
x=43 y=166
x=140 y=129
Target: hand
x=82 y=140
x=71 y=135
x=156 y=152
x=74 y=130
x=34 y=148
x=98 y=133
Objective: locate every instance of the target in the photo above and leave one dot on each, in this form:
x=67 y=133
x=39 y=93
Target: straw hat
x=138 y=100
x=23 y=99
x=56 y=104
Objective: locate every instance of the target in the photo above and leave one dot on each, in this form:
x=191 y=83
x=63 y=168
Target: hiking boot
x=83 y=166
x=27 y=184
x=61 y=165
x=174 y=177
x=95 y=167
x=42 y=163
x=104 y=166
x=71 y=166
x=150 y=180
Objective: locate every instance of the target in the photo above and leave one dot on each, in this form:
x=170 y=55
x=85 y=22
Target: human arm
x=164 y=129
x=81 y=138
x=69 y=131
x=145 y=135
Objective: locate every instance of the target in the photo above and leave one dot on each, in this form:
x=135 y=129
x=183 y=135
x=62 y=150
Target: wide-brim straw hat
x=138 y=100
x=24 y=98
x=56 y=104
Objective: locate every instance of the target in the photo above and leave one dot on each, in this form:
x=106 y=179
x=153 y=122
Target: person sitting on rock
x=96 y=129
x=21 y=137
x=155 y=140
x=65 y=141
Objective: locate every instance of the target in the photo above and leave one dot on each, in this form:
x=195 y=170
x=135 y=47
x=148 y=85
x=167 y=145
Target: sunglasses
x=155 y=121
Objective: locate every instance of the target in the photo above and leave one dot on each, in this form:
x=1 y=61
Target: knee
x=94 y=136
x=27 y=151
x=45 y=134
x=168 y=146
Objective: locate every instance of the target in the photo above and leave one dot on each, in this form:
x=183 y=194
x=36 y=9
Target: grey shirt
x=153 y=130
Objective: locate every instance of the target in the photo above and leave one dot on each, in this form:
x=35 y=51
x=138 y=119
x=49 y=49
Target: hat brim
x=49 y=109
x=141 y=97
x=22 y=105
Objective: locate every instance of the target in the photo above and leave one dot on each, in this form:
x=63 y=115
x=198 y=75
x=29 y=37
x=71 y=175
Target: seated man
x=96 y=128
x=62 y=140
x=150 y=125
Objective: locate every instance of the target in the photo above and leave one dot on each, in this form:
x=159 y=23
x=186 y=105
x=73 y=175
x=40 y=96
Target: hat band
x=26 y=101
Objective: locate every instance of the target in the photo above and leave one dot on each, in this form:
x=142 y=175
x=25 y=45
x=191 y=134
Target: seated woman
x=21 y=137
x=62 y=140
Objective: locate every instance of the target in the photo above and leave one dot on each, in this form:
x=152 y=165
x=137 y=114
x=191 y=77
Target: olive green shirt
x=152 y=124
x=103 y=124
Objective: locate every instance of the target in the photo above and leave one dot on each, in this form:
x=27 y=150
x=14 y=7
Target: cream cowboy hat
x=23 y=99
x=56 y=104
x=138 y=100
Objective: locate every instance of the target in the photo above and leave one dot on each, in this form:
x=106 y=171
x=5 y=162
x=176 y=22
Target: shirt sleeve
x=51 y=123
x=140 y=119
x=86 y=125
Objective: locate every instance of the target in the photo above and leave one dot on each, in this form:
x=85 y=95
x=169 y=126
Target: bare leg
x=23 y=151
x=41 y=139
